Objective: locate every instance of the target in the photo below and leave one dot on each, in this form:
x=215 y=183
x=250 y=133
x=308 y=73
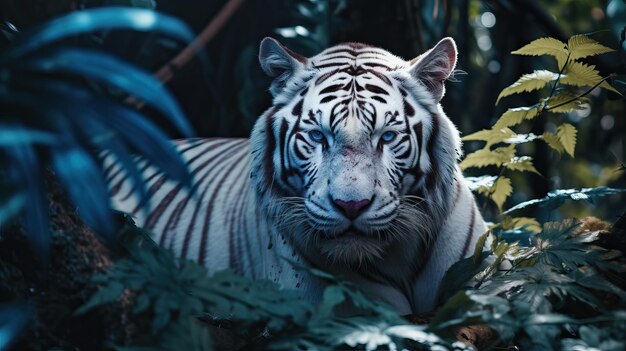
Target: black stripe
x=433 y=175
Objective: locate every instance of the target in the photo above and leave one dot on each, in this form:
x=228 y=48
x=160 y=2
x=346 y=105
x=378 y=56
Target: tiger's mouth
x=350 y=232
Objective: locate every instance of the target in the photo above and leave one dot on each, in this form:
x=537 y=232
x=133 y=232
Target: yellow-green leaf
x=582 y=46
x=529 y=82
x=491 y=136
x=566 y=101
x=567 y=136
x=545 y=46
x=522 y=164
x=501 y=191
x=582 y=75
x=553 y=141
x=515 y=116
x=486 y=157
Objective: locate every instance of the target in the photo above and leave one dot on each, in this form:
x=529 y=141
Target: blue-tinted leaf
x=11 y=134
x=136 y=131
x=115 y=73
x=108 y=18
x=11 y=205
x=13 y=318
x=26 y=170
x=557 y=197
x=147 y=140
x=81 y=176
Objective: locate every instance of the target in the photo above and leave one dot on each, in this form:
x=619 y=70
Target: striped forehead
x=356 y=55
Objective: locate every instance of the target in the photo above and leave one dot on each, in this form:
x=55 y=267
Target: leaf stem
x=581 y=95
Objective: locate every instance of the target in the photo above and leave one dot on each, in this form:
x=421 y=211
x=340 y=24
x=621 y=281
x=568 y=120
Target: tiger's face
x=345 y=159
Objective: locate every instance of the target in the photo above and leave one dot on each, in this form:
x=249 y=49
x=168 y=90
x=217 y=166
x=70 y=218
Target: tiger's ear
x=279 y=62
x=433 y=67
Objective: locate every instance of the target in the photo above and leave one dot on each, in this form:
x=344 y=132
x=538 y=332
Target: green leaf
x=567 y=136
x=556 y=198
x=553 y=142
x=545 y=46
x=486 y=157
x=515 y=116
x=529 y=82
x=583 y=75
x=522 y=164
x=491 y=136
x=502 y=190
x=581 y=46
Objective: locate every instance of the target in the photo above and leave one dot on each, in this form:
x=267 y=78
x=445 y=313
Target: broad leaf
x=529 y=82
x=501 y=191
x=486 y=157
x=545 y=46
x=491 y=136
x=515 y=116
x=581 y=46
x=565 y=101
x=567 y=136
x=553 y=142
x=583 y=75
x=522 y=164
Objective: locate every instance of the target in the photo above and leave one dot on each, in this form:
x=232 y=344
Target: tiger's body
x=353 y=170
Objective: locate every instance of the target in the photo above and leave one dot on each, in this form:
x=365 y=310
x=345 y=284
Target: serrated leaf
x=567 y=136
x=553 y=142
x=515 y=116
x=491 y=136
x=502 y=190
x=582 y=46
x=565 y=101
x=529 y=82
x=583 y=75
x=522 y=164
x=486 y=157
x=545 y=46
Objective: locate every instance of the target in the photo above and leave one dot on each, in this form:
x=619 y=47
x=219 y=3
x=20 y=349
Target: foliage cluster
x=501 y=142
x=559 y=291
x=59 y=113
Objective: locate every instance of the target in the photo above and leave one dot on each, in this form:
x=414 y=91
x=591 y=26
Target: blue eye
x=388 y=137
x=317 y=136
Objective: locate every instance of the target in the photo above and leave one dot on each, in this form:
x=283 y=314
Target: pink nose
x=352 y=209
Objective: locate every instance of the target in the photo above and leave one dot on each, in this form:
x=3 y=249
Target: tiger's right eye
x=317 y=136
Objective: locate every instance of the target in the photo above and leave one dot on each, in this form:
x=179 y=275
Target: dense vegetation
x=549 y=282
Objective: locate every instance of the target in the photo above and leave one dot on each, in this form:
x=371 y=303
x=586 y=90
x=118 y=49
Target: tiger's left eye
x=388 y=137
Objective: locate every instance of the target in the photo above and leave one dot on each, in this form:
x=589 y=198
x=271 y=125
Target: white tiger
x=353 y=170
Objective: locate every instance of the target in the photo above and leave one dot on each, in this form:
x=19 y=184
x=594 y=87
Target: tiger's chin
x=352 y=247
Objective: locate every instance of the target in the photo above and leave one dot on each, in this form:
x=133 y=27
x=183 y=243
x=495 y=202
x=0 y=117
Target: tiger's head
x=356 y=159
